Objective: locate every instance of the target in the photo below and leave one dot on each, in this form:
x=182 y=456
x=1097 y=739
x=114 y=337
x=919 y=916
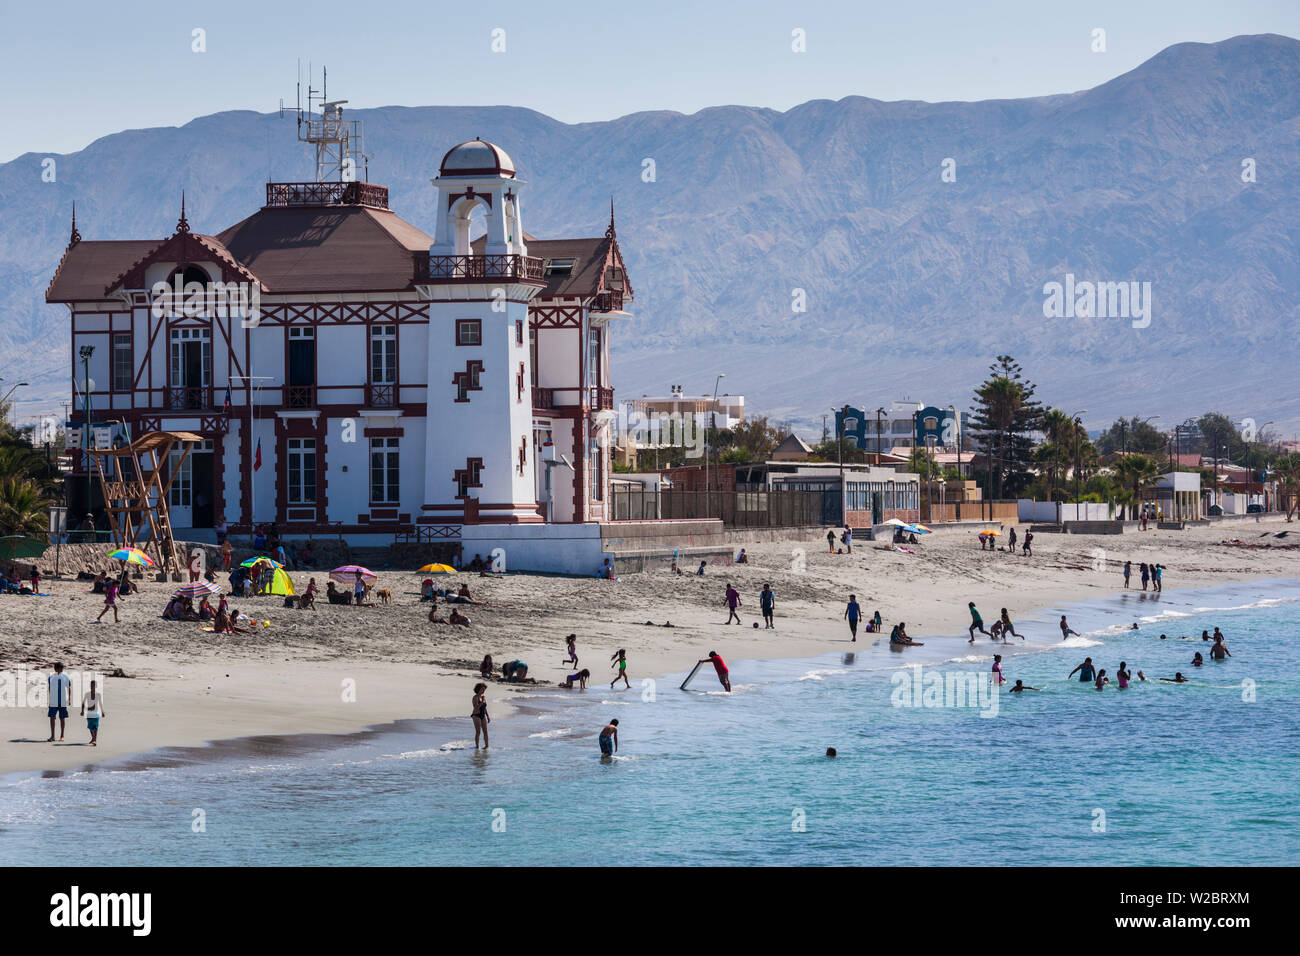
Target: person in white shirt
x=92 y=708
x=59 y=699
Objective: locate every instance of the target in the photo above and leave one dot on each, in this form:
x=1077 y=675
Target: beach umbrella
x=916 y=529
x=436 y=569
x=132 y=556
x=252 y=561
x=347 y=574
x=15 y=546
x=995 y=534
x=196 y=589
x=922 y=528
x=895 y=522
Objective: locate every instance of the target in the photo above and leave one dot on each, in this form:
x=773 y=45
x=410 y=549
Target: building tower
x=478 y=459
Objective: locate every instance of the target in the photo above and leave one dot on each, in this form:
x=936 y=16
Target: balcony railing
x=189 y=396
x=327 y=194
x=381 y=396
x=602 y=399
x=608 y=302
x=430 y=268
x=300 y=396
x=543 y=397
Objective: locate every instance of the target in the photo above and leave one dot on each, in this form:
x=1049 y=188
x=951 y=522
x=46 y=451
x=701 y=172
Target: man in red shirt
x=724 y=675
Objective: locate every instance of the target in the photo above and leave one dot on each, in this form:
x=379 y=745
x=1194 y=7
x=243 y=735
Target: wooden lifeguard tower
x=135 y=492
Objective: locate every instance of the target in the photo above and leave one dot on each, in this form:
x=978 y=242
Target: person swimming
x=1198 y=660
x=831 y=752
x=1020 y=687
x=1178 y=678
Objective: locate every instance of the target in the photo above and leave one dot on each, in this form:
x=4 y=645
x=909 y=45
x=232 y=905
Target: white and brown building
x=397 y=383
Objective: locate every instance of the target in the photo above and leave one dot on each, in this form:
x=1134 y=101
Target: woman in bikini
x=479 y=714
x=620 y=660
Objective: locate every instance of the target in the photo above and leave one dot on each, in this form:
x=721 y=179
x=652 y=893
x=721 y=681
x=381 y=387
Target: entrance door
x=204 y=482
x=877 y=509
x=189 y=502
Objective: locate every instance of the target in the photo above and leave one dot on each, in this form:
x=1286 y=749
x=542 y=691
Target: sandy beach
x=341 y=669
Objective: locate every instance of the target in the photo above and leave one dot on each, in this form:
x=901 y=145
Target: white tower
x=479 y=459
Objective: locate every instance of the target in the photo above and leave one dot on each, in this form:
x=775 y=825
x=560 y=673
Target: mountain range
x=886 y=249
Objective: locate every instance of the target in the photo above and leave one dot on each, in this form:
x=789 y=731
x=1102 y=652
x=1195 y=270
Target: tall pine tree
x=1002 y=420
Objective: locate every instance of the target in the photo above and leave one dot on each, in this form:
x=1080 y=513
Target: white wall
x=558 y=549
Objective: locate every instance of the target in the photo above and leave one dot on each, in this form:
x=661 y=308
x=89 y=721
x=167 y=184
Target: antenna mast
x=340 y=155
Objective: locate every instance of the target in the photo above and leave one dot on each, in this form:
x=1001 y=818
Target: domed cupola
x=475 y=159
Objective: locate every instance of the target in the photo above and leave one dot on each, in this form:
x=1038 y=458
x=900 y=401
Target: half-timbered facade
x=388 y=381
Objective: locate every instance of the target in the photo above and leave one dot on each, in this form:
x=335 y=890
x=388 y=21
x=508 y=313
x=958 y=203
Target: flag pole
x=249 y=383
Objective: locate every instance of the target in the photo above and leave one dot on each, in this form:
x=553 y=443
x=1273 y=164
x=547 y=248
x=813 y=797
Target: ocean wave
x=819 y=675
x=558 y=732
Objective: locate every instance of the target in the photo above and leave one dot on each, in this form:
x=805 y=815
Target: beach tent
x=280 y=584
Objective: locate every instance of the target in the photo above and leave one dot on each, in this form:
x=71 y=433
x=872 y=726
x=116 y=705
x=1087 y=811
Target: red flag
x=257 y=461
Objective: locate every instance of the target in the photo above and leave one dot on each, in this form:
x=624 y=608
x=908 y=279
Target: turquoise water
x=1184 y=774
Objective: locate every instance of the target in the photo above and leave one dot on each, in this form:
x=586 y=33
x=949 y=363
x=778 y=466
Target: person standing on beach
x=60 y=686
x=767 y=604
x=1084 y=670
x=609 y=738
x=479 y=714
x=92 y=708
x=110 y=600
x=1066 y=630
x=620 y=661
x=1026 y=547
x=358 y=591
x=1157 y=576
x=1128 y=572
x=36 y=581
x=976 y=622
x=830 y=542
x=724 y=675
x=733 y=602
x=848 y=539
x=1011 y=542
x=1145 y=574
x=852 y=613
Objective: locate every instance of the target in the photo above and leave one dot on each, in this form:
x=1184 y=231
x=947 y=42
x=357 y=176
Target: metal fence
x=737 y=509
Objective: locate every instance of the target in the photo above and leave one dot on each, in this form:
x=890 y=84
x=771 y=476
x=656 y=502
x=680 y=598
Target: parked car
x=1254 y=509
x=1215 y=511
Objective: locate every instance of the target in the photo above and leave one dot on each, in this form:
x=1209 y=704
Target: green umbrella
x=16 y=546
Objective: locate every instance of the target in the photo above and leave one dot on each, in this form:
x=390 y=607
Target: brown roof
x=89 y=266
x=327 y=248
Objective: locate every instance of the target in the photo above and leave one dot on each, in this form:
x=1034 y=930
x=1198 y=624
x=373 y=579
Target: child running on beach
x=1066 y=630
x=479 y=714
x=1007 y=626
x=110 y=601
x=976 y=622
x=620 y=661
x=571 y=645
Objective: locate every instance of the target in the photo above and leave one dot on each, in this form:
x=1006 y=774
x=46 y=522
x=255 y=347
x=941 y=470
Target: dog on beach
x=384 y=595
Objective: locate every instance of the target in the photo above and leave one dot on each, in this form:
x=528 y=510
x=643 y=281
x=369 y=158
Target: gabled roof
x=89 y=266
x=793 y=443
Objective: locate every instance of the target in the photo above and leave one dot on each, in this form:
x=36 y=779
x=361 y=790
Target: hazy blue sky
x=75 y=71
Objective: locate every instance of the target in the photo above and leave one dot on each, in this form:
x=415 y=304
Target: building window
x=468 y=477
x=384 y=471
x=383 y=354
x=519 y=384
x=532 y=353
x=519 y=331
x=523 y=453
x=302 y=471
x=122 y=378
x=469 y=332
x=559 y=267
x=593 y=357
x=468 y=380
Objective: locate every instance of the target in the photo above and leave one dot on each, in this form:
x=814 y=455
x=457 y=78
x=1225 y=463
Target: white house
x=391 y=383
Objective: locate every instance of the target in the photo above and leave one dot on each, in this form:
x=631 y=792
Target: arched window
x=190 y=274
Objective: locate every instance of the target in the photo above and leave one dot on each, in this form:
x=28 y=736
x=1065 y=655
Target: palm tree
x=22 y=509
x=1136 y=474
x=1288 y=474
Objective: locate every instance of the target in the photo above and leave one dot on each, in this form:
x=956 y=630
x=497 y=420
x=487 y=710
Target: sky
x=74 y=72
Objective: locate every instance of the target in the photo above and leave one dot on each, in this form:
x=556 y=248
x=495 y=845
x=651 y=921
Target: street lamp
x=1078 y=455
x=1261 y=462
x=4 y=402
x=713 y=424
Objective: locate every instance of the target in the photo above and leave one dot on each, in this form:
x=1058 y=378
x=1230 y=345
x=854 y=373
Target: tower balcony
x=326 y=194
x=509 y=268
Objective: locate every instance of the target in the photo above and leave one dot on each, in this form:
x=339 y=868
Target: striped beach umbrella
x=132 y=556
x=197 y=589
x=347 y=574
x=263 y=560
